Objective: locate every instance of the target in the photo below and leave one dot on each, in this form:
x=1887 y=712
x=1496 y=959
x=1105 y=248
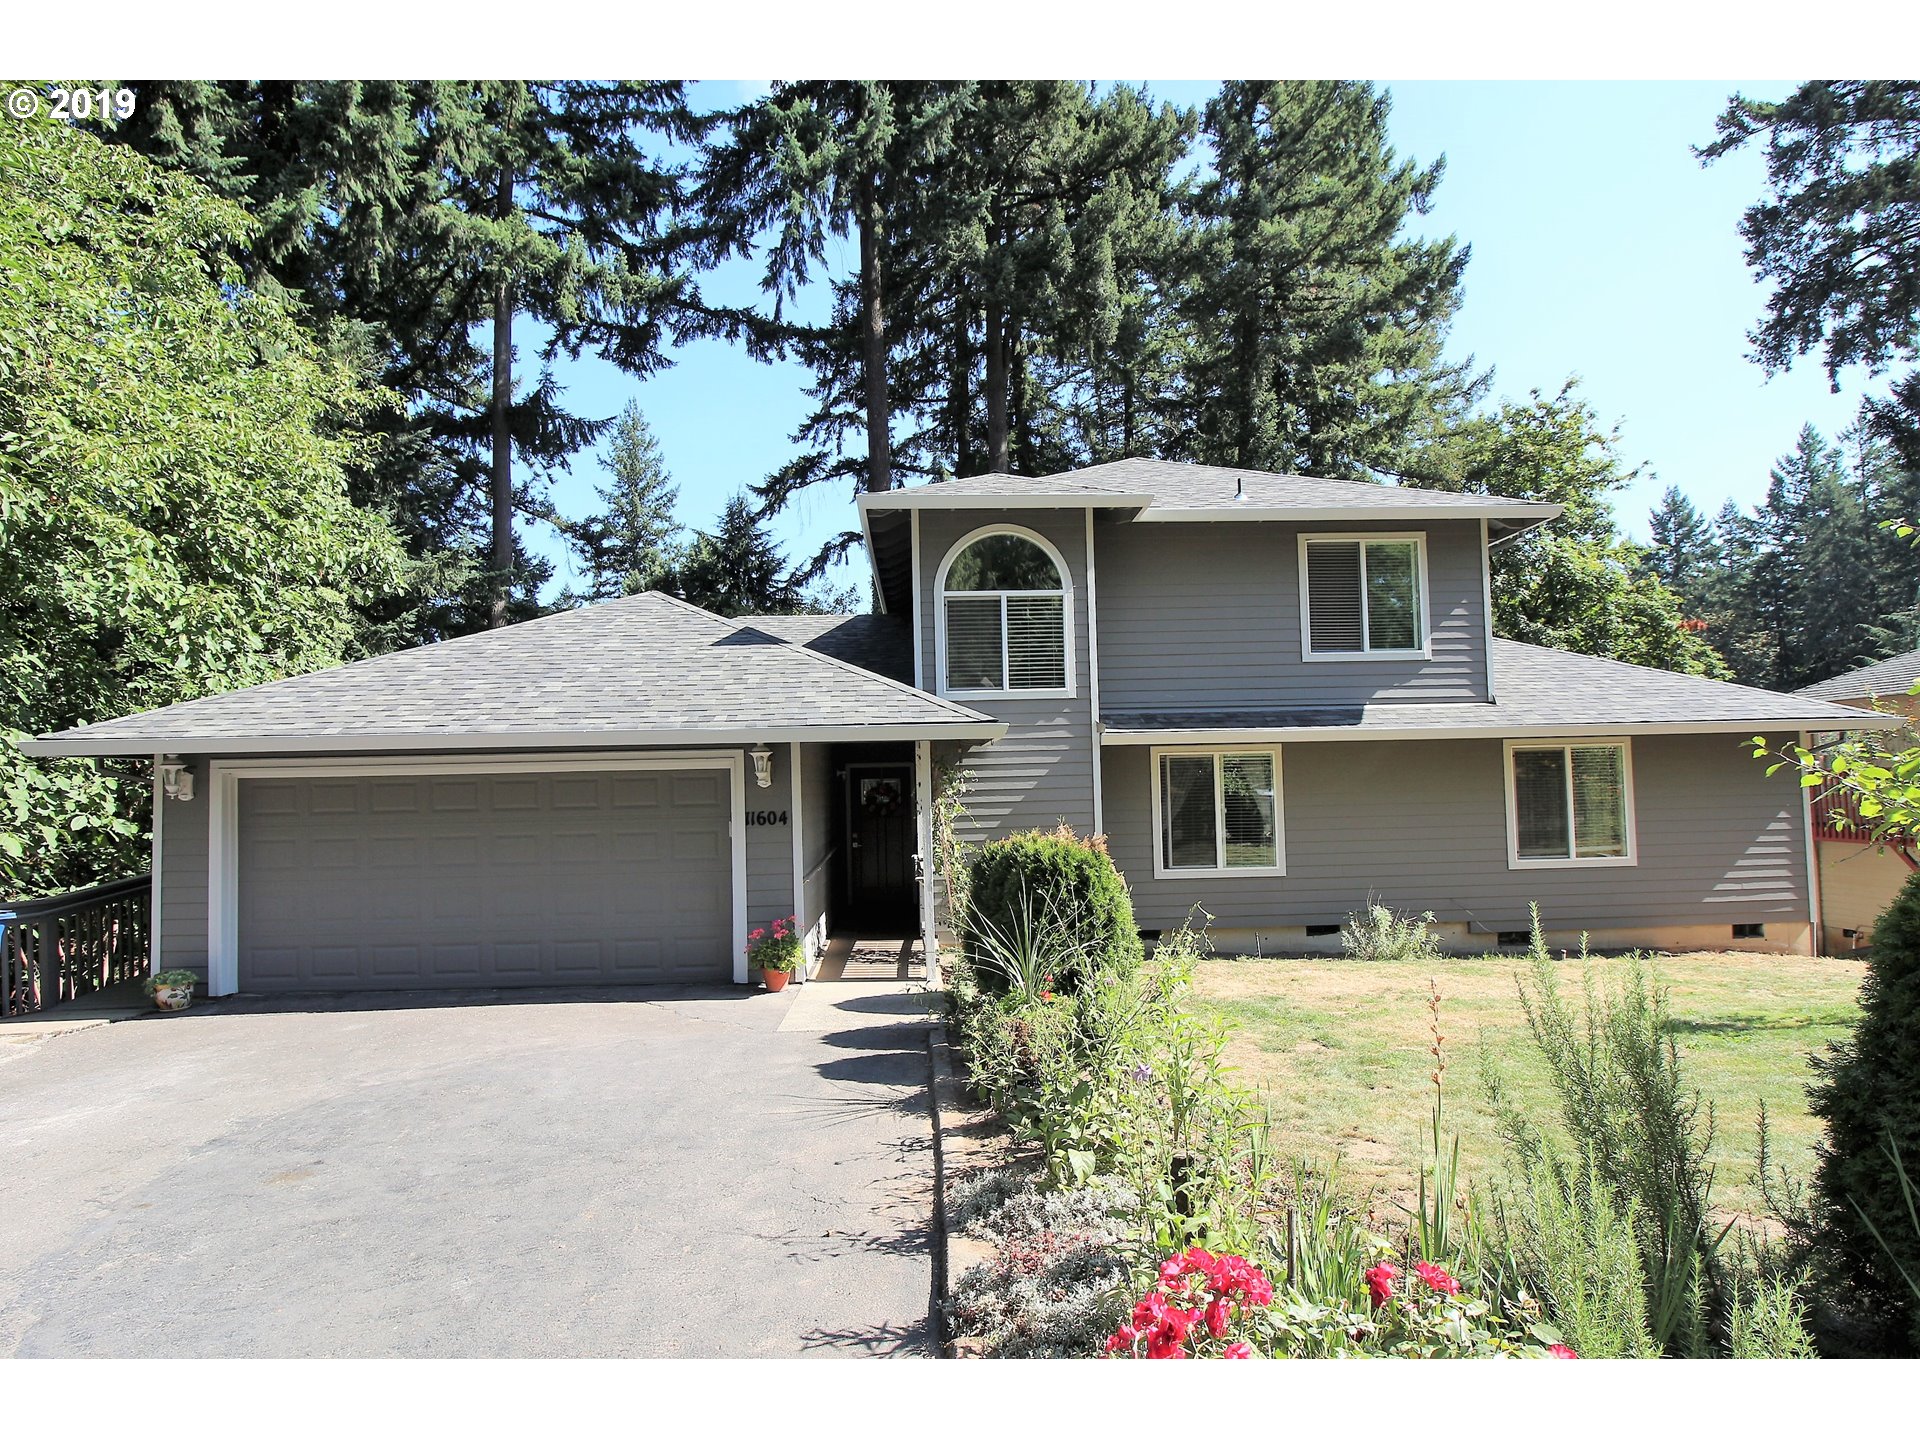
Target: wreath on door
x=880 y=797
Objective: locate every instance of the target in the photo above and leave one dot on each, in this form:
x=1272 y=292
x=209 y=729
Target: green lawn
x=1340 y=1049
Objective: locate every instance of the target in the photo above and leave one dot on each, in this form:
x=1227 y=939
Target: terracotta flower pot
x=776 y=979
x=172 y=997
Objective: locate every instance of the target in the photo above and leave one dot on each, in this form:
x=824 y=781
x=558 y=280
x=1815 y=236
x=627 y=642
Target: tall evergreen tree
x=737 y=568
x=1684 y=554
x=1316 y=326
x=414 y=218
x=1838 y=235
x=629 y=545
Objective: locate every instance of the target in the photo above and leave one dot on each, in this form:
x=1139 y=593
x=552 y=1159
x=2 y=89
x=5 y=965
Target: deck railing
x=66 y=946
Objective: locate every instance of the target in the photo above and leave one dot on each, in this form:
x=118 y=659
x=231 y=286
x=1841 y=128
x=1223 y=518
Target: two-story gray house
x=1276 y=696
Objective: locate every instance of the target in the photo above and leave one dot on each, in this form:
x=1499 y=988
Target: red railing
x=1836 y=816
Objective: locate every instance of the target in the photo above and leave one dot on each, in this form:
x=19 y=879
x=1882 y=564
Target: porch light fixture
x=762 y=766
x=176 y=778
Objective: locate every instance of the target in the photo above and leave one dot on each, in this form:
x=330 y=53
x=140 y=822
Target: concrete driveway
x=652 y=1172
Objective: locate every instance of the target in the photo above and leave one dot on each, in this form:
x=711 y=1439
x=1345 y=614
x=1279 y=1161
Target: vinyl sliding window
x=1569 y=803
x=1363 y=596
x=1217 y=812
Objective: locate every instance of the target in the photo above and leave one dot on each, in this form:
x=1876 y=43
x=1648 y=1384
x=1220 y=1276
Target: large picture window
x=1217 y=812
x=1362 y=596
x=1570 y=803
x=1003 y=618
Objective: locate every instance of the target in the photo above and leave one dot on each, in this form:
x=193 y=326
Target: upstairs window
x=1569 y=804
x=1003 y=613
x=1363 y=597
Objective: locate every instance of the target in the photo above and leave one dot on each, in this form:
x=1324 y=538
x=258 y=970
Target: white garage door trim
x=223 y=855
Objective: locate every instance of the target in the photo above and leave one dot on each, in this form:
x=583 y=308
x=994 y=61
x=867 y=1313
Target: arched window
x=1003 y=615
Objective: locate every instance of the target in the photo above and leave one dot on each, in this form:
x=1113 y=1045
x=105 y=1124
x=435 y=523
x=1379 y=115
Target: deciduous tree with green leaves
x=174 y=508
x=1574 y=583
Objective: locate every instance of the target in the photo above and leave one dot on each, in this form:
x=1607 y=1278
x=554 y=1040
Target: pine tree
x=736 y=568
x=1684 y=553
x=1316 y=327
x=1838 y=236
x=629 y=545
x=414 y=218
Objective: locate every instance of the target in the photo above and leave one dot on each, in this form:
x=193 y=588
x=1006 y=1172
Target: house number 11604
x=766 y=817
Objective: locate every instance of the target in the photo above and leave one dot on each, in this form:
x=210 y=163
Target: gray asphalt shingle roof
x=642 y=670
x=1536 y=691
x=1171 y=489
x=1884 y=677
x=880 y=643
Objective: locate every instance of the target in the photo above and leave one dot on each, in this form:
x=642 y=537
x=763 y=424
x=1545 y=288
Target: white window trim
x=1419 y=538
x=1586 y=862
x=1066 y=692
x=1164 y=871
x=223 y=798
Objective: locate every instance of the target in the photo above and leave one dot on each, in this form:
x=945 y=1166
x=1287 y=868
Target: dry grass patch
x=1339 y=1046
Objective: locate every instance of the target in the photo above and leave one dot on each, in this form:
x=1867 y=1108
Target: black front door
x=881 y=894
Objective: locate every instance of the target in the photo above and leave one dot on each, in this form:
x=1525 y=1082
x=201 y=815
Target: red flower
x=1241 y=1350
x=1219 y=1312
x=1380 y=1282
x=1437 y=1279
x=1122 y=1339
x=1561 y=1352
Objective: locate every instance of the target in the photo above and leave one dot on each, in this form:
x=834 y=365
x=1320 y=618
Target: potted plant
x=172 y=989
x=776 y=954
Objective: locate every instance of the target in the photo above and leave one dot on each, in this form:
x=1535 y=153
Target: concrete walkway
x=637 y=1172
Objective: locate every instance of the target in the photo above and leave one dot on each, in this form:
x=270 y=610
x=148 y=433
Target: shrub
x=1056 y=1285
x=1636 y=1135
x=1061 y=881
x=1377 y=933
x=1574 y=1247
x=1868 y=1093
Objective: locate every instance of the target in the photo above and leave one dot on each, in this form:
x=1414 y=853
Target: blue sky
x=1601 y=248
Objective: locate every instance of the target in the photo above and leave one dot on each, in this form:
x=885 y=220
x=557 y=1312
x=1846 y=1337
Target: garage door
x=438 y=881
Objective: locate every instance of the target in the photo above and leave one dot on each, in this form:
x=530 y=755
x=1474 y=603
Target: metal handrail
x=61 y=947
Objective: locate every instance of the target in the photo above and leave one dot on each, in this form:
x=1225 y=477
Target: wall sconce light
x=762 y=766
x=176 y=778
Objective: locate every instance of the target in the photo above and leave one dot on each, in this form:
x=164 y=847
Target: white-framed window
x=1003 y=615
x=1363 y=597
x=1217 y=812
x=1569 y=802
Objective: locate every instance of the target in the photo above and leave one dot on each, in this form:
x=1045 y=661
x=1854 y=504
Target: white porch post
x=924 y=860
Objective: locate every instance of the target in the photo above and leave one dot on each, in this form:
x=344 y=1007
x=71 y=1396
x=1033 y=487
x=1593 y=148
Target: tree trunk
x=501 y=481
x=960 y=389
x=873 y=339
x=996 y=343
x=1019 y=403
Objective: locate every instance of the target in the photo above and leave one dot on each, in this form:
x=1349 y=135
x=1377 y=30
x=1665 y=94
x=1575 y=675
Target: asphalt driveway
x=655 y=1172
